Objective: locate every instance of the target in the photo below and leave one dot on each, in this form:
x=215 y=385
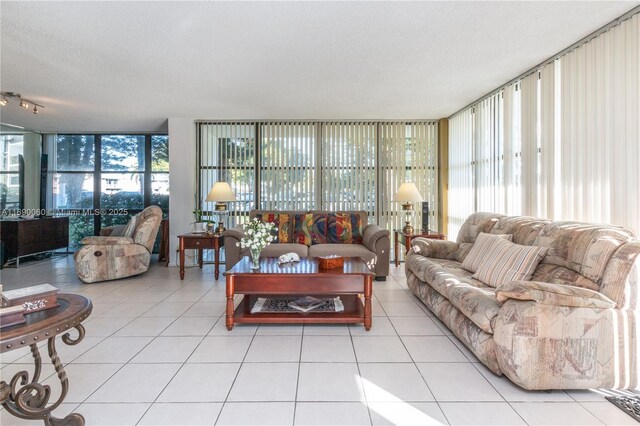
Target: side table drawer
x=198 y=243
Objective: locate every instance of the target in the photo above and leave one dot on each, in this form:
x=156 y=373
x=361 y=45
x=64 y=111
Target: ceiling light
x=24 y=103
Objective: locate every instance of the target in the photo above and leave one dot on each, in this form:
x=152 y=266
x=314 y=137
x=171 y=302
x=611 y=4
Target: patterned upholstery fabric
x=131 y=226
x=475 y=224
x=582 y=247
x=473 y=298
x=543 y=346
x=523 y=229
x=110 y=258
x=340 y=228
x=480 y=252
x=283 y=224
x=310 y=228
x=507 y=261
x=438 y=249
x=480 y=343
x=551 y=294
x=555 y=274
x=573 y=327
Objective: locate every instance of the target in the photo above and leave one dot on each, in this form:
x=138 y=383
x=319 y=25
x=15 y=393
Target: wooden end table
x=300 y=278
x=405 y=239
x=24 y=396
x=197 y=241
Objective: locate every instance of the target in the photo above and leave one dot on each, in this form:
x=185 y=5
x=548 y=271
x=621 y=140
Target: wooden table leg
x=181 y=258
x=216 y=261
x=200 y=258
x=230 y=294
x=368 y=286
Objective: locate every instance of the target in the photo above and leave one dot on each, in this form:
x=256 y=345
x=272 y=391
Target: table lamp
x=408 y=194
x=221 y=193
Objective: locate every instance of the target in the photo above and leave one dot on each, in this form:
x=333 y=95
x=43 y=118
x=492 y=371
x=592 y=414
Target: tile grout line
x=364 y=392
x=237 y=372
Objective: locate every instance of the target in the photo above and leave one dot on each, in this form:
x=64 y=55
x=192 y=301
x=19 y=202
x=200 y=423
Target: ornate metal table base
x=28 y=399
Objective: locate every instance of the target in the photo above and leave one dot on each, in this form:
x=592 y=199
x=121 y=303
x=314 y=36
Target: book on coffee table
x=306 y=303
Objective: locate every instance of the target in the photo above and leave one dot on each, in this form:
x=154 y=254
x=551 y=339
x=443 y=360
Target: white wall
x=182 y=181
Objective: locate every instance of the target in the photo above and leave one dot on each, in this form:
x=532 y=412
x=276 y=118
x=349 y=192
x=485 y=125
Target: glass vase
x=255 y=258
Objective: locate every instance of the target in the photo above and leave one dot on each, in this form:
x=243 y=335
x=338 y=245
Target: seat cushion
x=277 y=250
x=345 y=250
x=471 y=297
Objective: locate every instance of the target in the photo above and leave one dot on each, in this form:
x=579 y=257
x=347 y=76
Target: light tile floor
x=157 y=352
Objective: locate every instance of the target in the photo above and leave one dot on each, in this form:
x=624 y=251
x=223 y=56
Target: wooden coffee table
x=301 y=278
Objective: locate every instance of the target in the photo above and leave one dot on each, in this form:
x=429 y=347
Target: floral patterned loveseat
x=572 y=326
x=318 y=233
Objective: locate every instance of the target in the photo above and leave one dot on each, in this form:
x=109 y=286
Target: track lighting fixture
x=24 y=103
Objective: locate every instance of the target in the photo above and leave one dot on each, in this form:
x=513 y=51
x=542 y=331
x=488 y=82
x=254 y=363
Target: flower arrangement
x=257 y=235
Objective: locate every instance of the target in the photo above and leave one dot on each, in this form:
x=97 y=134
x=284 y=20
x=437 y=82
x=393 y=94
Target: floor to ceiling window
x=102 y=180
x=305 y=165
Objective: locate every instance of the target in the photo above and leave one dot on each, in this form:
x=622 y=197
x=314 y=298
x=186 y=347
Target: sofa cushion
x=345 y=250
x=555 y=274
x=277 y=250
x=345 y=228
x=582 y=247
x=475 y=224
x=310 y=228
x=471 y=297
x=508 y=262
x=480 y=252
x=524 y=229
x=282 y=221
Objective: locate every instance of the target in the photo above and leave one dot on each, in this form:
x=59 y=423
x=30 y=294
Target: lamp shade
x=221 y=191
x=408 y=193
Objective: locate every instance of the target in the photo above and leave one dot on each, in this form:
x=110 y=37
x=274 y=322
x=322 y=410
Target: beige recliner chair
x=111 y=257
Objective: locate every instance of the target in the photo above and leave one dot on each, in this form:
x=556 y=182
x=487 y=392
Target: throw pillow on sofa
x=282 y=231
x=507 y=261
x=344 y=228
x=479 y=252
x=310 y=228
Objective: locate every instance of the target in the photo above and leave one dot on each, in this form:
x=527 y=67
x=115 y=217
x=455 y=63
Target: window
x=319 y=165
x=12 y=147
x=106 y=174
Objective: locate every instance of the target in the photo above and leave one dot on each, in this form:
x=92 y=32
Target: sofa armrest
x=553 y=294
x=106 y=241
x=437 y=249
x=372 y=233
x=378 y=241
x=232 y=252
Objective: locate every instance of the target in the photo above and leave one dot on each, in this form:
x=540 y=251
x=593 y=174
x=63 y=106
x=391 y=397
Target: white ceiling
x=128 y=66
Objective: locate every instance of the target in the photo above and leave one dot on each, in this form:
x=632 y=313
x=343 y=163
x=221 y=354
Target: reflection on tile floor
x=157 y=352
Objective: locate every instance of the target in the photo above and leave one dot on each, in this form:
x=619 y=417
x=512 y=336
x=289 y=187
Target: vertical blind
x=348 y=167
x=320 y=165
x=408 y=153
x=287 y=166
x=560 y=143
x=227 y=153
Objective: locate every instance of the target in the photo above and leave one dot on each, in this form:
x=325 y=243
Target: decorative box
x=331 y=262
x=11 y=316
x=33 y=299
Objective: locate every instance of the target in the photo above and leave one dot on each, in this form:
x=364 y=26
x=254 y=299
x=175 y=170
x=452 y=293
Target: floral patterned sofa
x=318 y=233
x=572 y=326
x=125 y=252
